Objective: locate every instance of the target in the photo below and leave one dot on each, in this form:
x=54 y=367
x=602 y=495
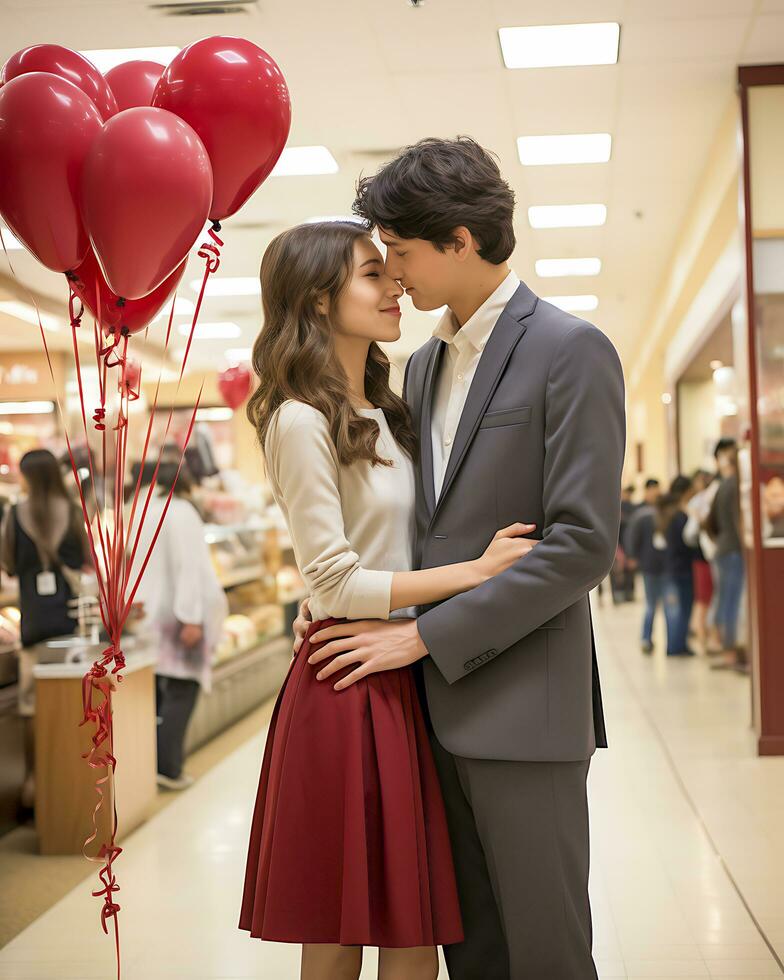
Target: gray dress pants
x=519 y=833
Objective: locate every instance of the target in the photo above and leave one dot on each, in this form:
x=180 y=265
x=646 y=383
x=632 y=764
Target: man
x=640 y=545
x=622 y=574
x=519 y=407
x=723 y=524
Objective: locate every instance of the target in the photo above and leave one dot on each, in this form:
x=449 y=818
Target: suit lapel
x=425 y=422
x=503 y=339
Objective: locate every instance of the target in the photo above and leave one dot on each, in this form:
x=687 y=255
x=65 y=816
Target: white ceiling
x=369 y=76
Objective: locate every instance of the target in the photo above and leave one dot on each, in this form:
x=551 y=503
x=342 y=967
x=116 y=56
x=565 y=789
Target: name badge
x=45 y=583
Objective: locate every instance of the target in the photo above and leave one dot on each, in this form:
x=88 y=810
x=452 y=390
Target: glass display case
x=254 y=563
x=769 y=322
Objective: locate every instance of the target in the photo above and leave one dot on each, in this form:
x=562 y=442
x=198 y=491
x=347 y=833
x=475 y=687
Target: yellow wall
x=766 y=135
x=700 y=425
x=710 y=224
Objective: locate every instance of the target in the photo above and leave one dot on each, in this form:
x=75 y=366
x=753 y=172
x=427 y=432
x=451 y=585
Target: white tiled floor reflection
x=680 y=783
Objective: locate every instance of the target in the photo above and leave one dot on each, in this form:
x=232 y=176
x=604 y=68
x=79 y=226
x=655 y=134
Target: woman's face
x=368 y=306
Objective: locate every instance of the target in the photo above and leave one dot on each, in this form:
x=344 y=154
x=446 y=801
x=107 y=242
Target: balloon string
x=210 y=252
x=114 y=578
x=110 y=603
x=103 y=715
x=150 y=421
x=91 y=469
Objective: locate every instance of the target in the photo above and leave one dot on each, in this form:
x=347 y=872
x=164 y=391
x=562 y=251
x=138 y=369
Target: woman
x=185 y=606
x=44 y=545
x=678 y=561
x=348 y=845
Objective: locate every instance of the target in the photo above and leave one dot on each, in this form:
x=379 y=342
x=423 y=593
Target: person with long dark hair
x=44 y=544
x=349 y=845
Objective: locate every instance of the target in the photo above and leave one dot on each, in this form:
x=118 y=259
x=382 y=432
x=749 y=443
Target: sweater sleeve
x=302 y=460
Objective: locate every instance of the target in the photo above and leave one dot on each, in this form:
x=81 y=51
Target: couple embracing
x=424 y=777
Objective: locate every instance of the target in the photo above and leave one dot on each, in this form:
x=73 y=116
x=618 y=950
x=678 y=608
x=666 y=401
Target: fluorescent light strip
x=550 y=268
x=567 y=215
x=229 y=286
x=182 y=307
x=351 y=218
x=238 y=353
x=538 y=151
x=574 y=304
x=25 y=312
x=106 y=58
x=210 y=331
x=214 y=414
x=26 y=408
x=305 y=161
x=560 y=45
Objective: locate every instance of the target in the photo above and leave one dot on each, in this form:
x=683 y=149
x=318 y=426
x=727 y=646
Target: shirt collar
x=478 y=328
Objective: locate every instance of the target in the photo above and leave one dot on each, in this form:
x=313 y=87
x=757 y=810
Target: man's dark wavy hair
x=437 y=185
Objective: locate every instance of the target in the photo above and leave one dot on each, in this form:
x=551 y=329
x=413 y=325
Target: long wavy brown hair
x=294 y=354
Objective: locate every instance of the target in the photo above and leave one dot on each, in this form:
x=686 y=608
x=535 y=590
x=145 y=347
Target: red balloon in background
x=67 y=64
x=47 y=126
x=133 y=82
x=146 y=192
x=234 y=385
x=133 y=372
x=136 y=313
x=236 y=98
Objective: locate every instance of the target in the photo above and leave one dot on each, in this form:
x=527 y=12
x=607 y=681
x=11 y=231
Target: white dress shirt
x=464 y=348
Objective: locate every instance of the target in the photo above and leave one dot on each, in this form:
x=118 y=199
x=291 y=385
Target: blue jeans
x=731 y=577
x=655 y=585
x=679 y=599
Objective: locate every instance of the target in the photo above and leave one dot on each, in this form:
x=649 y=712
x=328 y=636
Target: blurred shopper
x=705 y=572
x=679 y=559
x=42 y=543
x=723 y=524
x=622 y=574
x=648 y=552
x=184 y=606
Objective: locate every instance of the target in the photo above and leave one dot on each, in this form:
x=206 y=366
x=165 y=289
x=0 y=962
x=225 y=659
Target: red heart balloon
x=146 y=192
x=234 y=385
x=133 y=82
x=133 y=373
x=67 y=64
x=47 y=126
x=236 y=98
x=134 y=314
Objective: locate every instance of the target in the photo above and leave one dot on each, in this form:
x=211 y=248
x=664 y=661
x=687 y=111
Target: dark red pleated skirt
x=349 y=842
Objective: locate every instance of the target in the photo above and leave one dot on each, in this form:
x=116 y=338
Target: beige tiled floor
x=688 y=862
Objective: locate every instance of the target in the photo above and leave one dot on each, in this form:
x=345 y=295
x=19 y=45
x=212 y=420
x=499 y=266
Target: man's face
x=652 y=495
x=427 y=275
x=725 y=461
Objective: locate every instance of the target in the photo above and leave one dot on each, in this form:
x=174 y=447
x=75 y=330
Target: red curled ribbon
x=113 y=547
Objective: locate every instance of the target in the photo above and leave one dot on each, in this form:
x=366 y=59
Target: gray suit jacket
x=511 y=672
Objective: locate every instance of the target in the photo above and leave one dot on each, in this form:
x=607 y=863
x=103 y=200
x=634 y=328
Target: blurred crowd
x=685 y=545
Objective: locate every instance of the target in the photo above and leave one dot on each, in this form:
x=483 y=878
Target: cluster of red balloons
x=110 y=179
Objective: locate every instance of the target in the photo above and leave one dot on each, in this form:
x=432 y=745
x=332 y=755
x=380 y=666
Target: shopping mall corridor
x=688 y=855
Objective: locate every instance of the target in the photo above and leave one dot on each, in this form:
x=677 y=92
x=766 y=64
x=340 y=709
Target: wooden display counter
x=65 y=784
